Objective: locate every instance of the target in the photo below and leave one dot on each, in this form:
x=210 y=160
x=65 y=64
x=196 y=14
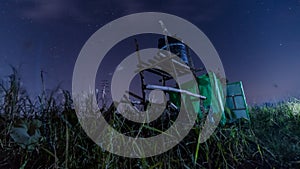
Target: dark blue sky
x=257 y=40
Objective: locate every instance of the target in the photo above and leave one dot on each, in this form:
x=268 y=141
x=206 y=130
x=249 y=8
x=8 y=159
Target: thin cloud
x=45 y=10
x=205 y=10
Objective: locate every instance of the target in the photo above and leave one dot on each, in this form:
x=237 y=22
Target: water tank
x=176 y=46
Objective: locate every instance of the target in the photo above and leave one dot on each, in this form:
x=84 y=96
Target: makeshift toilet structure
x=211 y=91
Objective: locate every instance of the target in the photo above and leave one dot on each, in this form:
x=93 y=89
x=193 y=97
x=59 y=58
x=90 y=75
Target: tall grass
x=45 y=133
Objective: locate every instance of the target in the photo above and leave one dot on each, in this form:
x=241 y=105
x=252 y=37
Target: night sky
x=258 y=40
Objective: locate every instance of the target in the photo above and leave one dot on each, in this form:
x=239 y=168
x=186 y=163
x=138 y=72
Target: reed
x=44 y=133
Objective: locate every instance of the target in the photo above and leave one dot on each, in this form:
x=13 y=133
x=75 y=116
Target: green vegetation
x=44 y=133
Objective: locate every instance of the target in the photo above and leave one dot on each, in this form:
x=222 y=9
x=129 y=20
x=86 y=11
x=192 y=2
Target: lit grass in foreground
x=45 y=133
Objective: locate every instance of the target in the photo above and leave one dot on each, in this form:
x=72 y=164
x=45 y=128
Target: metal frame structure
x=164 y=77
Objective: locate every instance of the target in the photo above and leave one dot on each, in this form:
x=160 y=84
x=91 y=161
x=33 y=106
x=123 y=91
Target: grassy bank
x=44 y=133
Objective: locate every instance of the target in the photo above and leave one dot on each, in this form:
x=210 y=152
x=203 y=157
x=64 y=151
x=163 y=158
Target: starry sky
x=258 y=40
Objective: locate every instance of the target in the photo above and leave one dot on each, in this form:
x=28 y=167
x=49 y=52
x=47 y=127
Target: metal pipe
x=166 y=88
